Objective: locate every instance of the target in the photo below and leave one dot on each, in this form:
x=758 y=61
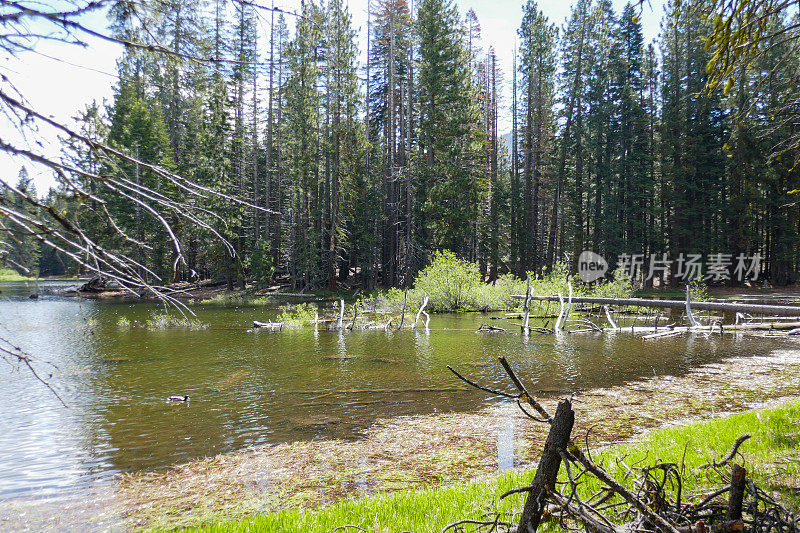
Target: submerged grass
x=418 y=453
x=237 y=299
x=166 y=320
x=771 y=457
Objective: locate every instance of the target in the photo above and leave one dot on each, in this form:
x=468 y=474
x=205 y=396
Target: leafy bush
x=301 y=315
x=225 y=299
x=9 y=274
x=555 y=282
x=450 y=282
x=622 y=286
x=698 y=291
x=497 y=296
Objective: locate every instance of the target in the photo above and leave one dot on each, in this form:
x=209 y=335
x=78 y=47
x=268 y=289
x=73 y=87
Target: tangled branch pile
x=646 y=498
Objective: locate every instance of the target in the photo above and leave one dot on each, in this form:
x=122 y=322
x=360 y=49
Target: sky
x=61 y=87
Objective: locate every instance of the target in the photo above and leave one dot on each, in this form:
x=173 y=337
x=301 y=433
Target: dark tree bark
x=736 y=494
x=547 y=471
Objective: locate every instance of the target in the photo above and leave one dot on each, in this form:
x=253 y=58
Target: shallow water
x=250 y=388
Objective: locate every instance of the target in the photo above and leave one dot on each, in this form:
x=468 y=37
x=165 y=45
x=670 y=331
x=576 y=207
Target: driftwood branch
x=422 y=311
x=689 y=315
x=524 y=394
x=527 y=309
x=730 y=455
x=656 y=504
x=341 y=315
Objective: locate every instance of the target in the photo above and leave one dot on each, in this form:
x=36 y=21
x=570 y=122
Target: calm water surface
x=251 y=388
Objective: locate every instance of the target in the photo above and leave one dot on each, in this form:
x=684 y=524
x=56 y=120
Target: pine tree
x=537 y=69
x=301 y=130
x=450 y=135
x=344 y=144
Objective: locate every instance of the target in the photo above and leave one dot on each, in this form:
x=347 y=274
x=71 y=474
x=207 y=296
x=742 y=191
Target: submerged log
x=662 y=334
x=268 y=325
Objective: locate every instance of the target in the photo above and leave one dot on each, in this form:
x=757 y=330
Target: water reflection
x=506 y=445
x=251 y=388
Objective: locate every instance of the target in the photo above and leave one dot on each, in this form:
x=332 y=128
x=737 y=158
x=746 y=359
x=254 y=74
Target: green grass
x=9 y=274
x=771 y=457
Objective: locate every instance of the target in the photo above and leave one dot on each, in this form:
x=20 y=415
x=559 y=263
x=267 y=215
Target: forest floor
x=420 y=451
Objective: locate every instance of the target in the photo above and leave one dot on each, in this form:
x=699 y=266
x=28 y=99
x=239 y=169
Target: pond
x=249 y=388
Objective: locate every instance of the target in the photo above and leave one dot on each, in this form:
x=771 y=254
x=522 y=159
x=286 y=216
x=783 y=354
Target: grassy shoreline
x=771 y=456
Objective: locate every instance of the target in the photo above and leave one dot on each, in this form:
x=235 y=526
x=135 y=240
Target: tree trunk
x=547 y=471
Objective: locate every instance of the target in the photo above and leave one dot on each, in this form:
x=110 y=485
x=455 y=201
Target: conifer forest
x=354 y=155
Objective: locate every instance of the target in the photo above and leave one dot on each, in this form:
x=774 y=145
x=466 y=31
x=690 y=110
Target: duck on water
x=183 y=398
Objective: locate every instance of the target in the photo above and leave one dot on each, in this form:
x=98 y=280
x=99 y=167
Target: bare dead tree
x=26 y=24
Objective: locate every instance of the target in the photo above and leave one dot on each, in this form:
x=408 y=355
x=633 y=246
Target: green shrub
x=698 y=291
x=450 y=282
x=621 y=286
x=224 y=300
x=301 y=315
x=9 y=274
x=555 y=282
x=497 y=296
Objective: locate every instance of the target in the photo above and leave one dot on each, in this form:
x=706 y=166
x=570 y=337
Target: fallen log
x=782 y=310
x=268 y=325
x=489 y=328
x=662 y=334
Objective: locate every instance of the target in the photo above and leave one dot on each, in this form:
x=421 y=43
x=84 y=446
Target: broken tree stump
x=547 y=472
x=738 y=475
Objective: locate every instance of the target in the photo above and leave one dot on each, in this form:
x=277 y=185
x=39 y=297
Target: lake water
x=251 y=388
